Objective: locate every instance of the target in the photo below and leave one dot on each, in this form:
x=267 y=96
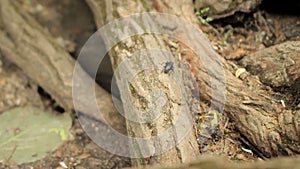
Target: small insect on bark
x=169 y=66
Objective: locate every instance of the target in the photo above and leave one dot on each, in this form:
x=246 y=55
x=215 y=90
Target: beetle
x=169 y=66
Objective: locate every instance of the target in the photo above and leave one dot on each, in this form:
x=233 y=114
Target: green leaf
x=204 y=10
x=29 y=134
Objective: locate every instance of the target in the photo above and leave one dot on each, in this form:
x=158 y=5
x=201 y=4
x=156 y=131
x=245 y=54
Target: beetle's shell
x=169 y=67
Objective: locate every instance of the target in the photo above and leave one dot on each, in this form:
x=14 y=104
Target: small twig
x=11 y=153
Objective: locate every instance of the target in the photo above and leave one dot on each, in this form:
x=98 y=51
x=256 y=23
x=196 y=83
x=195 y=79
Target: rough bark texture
x=277 y=66
x=25 y=43
x=224 y=8
x=262 y=121
x=135 y=92
x=256 y=115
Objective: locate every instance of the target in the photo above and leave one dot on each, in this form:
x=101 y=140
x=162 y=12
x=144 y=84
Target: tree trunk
x=256 y=115
x=223 y=8
x=262 y=122
x=260 y=119
x=139 y=85
x=277 y=66
x=25 y=43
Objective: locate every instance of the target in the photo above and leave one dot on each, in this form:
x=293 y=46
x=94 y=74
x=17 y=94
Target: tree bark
x=25 y=43
x=138 y=91
x=277 y=66
x=221 y=9
x=260 y=119
x=262 y=122
x=248 y=102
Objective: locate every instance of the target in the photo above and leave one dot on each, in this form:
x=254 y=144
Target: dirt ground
x=233 y=38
